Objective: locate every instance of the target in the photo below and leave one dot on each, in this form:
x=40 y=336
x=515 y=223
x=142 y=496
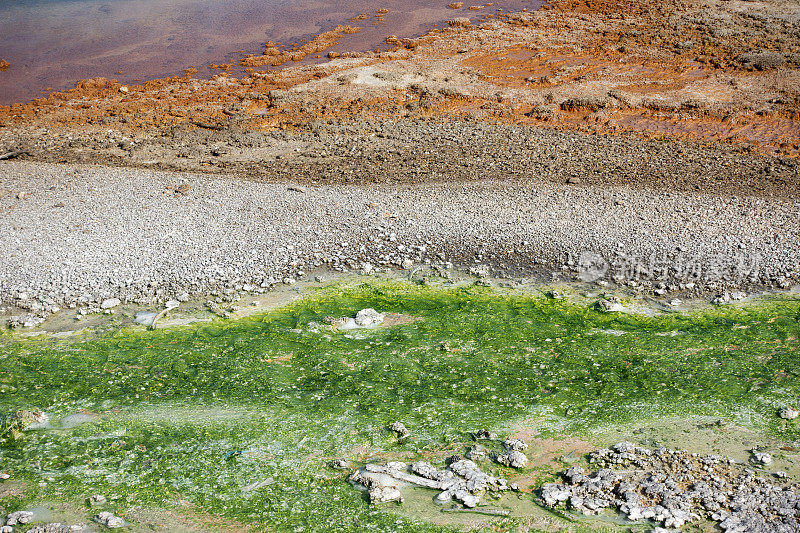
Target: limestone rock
x=400 y=429
x=368 y=317
x=110 y=303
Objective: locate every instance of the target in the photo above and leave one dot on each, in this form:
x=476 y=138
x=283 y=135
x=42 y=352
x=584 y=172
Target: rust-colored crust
x=693 y=69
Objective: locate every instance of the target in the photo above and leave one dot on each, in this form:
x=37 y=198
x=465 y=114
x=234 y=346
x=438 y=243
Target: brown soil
x=275 y=56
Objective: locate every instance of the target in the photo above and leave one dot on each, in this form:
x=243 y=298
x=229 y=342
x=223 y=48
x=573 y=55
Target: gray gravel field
x=82 y=234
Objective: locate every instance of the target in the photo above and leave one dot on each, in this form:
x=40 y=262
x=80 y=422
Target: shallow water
x=52 y=44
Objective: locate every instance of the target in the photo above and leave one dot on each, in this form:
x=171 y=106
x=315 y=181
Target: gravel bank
x=81 y=234
x=423 y=151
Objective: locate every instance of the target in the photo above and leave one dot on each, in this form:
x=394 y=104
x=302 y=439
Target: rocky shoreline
x=646 y=146
x=87 y=236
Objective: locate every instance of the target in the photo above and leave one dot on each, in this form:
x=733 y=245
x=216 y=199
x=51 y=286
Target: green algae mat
x=233 y=425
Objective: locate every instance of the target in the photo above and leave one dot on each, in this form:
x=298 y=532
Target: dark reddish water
x=52 y=44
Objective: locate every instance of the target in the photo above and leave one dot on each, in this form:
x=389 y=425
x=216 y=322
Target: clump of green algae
x=198 y=413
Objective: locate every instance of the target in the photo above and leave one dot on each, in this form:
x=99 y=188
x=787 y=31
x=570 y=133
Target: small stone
x=97 y=499
x=407 y=264
x=172 y=304
x=483 y=434
x=722 y=299
x=612 y=303
x=339 y=464
x=368 y=317
x=573 y=180
x=481 y=271
x=109 y=520
x=400 y=429
x=183 y=297
x=110 y=303
x=762 y=457
x=297 y=188
x=19 y=517
x=123 y=89
x=5 y=476
x=385 y=495
x=515 y=444
x=469 y=500
x=789 y=413
x=513 y=459
x=24 y=321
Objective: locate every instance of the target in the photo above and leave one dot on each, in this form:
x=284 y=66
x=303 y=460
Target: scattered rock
x=382 y=488
x=400 y=429
x=19 y=517
x=340 y=464
x=24 y=321
x=609 y=304
x=789 y=413
x=481 y=271
x=109 y=520
x=368 y=317
x=513 y=459
x=483 y=434
x=97 y=499
x=721 y=299
x=762 y=457
x=462 y=481
x=515 y=445
x=110 y=303
x=673 y=488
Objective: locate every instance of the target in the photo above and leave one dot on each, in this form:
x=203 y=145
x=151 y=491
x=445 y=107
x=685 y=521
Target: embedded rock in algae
x=461 y=481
